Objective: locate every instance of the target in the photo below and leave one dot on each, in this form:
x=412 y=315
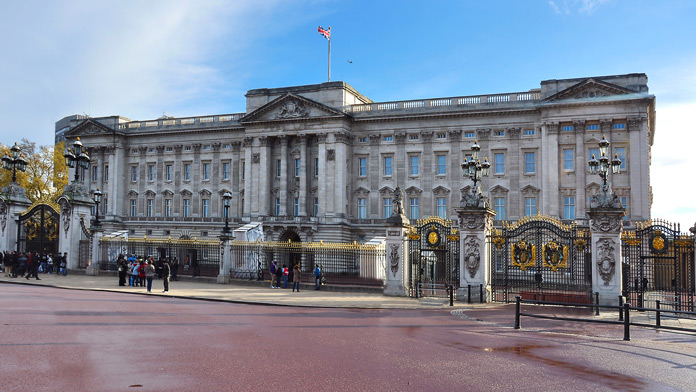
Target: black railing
x=624 y=312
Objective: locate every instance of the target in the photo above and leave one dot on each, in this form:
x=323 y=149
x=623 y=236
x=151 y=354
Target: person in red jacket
x=286 y=272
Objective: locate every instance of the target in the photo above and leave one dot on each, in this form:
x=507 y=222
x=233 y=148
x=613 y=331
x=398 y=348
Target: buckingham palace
x=321 y=162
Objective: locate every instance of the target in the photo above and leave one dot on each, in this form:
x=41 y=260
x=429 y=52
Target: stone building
x=320 y=162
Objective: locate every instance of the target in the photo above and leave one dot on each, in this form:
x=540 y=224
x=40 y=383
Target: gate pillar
x=13 y=201
x=225 y=259
x=606 y=227
x=397 y=250
x=475 y=224
x=93 y=267
x=75 y=212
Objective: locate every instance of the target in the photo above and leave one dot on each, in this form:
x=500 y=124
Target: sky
x=145 y=59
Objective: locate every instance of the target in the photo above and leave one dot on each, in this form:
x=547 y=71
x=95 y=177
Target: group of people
x=137 y=271
x=283 y=273
x=31 y=264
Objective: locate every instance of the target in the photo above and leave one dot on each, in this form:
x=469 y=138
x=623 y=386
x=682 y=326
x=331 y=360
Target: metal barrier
x=625 y=309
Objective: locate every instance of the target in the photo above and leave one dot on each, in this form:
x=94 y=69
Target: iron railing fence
x=340 y=263
x=195 y=257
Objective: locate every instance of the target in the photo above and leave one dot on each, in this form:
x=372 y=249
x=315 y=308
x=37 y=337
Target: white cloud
x=566 y=7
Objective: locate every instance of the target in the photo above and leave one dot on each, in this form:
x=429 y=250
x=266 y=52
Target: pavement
x=260 y=293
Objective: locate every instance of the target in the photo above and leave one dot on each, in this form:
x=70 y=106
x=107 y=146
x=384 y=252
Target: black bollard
x=517 y=312
x=657 y=312
x=468 y=295
x=597 y=303
x=451 y=293
x=481 y=293
x=627 y=322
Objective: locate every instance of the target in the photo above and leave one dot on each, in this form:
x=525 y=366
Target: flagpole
x=329 y=55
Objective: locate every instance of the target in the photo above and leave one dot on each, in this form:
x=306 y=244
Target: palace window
x=225 y=171
x=624 y=203
x=106 y=173
x=442 y=135
x=206 y=207
x=619 y=126
x=206 y=171
x=414 y=210
x=94 y=174
x=277 y=206
x=167 y=207
x=387 y=203
x=530 y=206
x=569 y=207
x=499 y=204
x=387 y=166
x=567 y=128
x=528 y=132
x=592 y=127
x=151 y=172
x=298 y=167
x=413 y=165
x=316 y=206
x=150 y=207
x=279 y=167
x=187 y=207
x=134 y=173
x=362 y=167
x=469 y=134
x=388 y=138
x=499 y=163
x=529 y=162
x=187 y=172
x=441 y=164
x=593 y=152
x=316 y=167
x=133 y=207
x=621 y=152
x=569 y=160
x=413 y=136
x=442 y=207
x=499 y=132
x=296 y=206
x=362 y=208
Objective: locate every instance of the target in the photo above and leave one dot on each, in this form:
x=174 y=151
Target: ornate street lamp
x=606 y=198
x=226 y=198
x=475 y=170
x=96 y=197
x=76 y=158
x=14 y=163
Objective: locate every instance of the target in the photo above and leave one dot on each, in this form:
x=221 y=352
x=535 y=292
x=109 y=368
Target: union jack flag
x=325 y=33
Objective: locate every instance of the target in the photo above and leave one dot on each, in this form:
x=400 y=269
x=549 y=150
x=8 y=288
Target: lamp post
x=96 y=197
x=601 y=166
x=475 y=170
x=76 y=158
x=226 y=198
x=14 y=163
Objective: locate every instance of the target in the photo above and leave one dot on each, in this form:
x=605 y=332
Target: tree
x=46 y=173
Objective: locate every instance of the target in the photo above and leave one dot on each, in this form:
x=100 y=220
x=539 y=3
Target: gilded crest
x=555 y=256
x=523 y=254
x=658 y=242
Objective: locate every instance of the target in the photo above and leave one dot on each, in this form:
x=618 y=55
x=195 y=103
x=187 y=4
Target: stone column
x=303 y=175
x=75 y=206
x=325 y=173
x=606 y=227
x=397 y=250
x=225 y=259
x=13 y=201
x=93 y=267
x=475 y=224
x=265 y=172
x=283 y=190
x=549 y=191
x=247 y=181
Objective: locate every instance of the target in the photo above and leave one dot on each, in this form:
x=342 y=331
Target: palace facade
x=321 y=162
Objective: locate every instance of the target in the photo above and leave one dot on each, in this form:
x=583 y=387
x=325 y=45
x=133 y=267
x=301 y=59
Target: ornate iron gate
x=38 y=229
x=433 y=257
x=658 y=265
x=541 y=258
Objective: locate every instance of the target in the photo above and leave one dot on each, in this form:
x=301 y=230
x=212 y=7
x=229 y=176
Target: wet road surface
x=65 y=340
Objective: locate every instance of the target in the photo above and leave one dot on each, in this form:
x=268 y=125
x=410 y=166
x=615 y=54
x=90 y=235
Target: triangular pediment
x=589 y=89
x=440 y=190
x=529 y=189
x=90 y=127
x=385 y=190
x=499 y=189
x=362 y=191
x=291 y=107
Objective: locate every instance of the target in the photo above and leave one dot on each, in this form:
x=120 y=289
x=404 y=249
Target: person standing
x=64 y=263
x=141 y=271
x=317 y=278
x=165 y=275
x=33 y=266
x=278 y=276
x=149 y=274
x=273 y=271
x=122 y=268
x=175 y=269
x=296 y=278
x=286 y=272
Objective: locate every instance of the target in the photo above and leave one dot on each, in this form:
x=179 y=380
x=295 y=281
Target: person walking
x=273 y=271
x=149 y=274
x=296 y=278
x=175 y=269
x=278 y=276
x=317 y=277
x=33 y=266
x=165 y=275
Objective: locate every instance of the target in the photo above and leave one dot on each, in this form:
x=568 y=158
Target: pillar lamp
x=601 y=166
x=76 y=158
x=96 y=197
x=14 y=163
x=475 y=170
x=226 y=198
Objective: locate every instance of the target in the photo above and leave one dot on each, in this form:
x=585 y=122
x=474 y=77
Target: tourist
x=64 y=263
x=317 y=278
x=149 y=274
x=141 y=271
x=175 y=269
x=273 y=271
x=122 y=267
x=49 y=263
x=296 y=278
x=286 y=272
x=278 y=276
x=165 y=276
x=135 y=274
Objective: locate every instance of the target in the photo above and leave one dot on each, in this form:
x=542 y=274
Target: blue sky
x=142 y=59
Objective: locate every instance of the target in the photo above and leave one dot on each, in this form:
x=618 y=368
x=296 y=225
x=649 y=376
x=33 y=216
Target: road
x=70 y=340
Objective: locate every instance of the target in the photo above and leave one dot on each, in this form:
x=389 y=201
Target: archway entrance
x=293 y=255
